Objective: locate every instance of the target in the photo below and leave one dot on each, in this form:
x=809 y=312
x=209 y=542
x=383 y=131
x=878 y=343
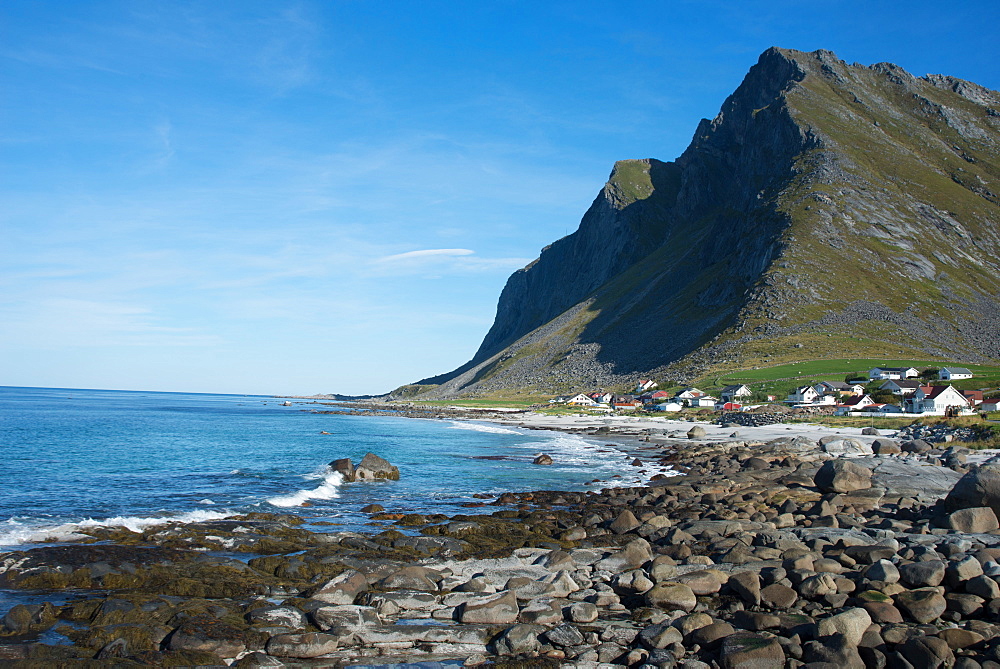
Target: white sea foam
x=328 y=490
x=18 y=534
x=483 y=427
x=205 y=501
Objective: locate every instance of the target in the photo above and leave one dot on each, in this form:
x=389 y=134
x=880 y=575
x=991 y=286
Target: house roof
x=730 y=389
x=936 y=391
x=957 y=370
x=902 y=383
x=857 y=399
x=836 y=385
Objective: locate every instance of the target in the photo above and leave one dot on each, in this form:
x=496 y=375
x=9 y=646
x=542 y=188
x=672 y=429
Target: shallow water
x=74 y=458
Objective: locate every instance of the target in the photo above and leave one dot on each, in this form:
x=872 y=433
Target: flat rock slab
x=909 y=478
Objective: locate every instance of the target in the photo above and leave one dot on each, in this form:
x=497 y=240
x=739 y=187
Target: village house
x=688 y=393
x=937 y=400
x=602 y=398
x=703 y=401
x=560 y=399
x=990 y=404
x=671 y=405
x=954 y=373
x=883 y=373
x=900 y=387
x=732 y=393
x=581 y=400
x=625 y=403
x=654 y=397
x=856 y=403
x=644 y=385
x=803 y=395
x=975 y=397
x=839 y=388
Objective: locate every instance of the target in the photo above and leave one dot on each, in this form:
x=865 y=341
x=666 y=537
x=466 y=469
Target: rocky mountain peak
x=828 y=209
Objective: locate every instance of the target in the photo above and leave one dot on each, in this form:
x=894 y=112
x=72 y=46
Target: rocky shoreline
x=760 y=554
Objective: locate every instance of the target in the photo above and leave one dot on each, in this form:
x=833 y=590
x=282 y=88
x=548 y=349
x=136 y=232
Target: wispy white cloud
x=425 y=253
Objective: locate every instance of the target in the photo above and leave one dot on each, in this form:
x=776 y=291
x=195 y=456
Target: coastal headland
x=771 y=546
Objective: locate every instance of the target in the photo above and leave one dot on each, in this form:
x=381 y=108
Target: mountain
x=830 y=210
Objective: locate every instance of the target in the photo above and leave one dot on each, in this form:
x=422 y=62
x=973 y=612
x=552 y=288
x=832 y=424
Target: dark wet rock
x=344 y=467
x=542 y=459
x=208 y=635
x=745 y=650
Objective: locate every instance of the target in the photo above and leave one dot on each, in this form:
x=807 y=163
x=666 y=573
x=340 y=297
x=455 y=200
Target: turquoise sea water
x=70 y=457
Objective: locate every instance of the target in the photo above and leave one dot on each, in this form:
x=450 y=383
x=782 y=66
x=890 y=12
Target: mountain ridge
x=827 y=208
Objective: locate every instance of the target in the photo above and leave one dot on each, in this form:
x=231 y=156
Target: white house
x=803 y=395
x=954 y=373
x=838 y=388
x=669 y=406
x=856 y=403
x=731 y=393
x=689 y=393
x=703 y=401
x=900 y=387
x=937 y=400
x=581 y=400
x=878 y=373
x=644 y=385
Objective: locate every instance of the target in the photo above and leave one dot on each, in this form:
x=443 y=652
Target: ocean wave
x=328 y=490
x=17 y=534
x=483 y=427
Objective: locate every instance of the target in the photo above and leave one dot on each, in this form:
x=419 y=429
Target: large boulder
x=846 y=446
x=373 y=467
x=979 y=487
x=840 y=476
x=345 y=467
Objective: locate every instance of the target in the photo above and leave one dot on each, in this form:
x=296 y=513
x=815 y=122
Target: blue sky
x=301 y=197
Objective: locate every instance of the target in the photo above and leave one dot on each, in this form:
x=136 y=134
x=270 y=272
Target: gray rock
x=979 y=487
x=923 y=605
x=341 y=589
x=842 y=476
x=285 y=616
x=671 y=596
x=847 y=446
x=519 y=640
x=975 y=519
x=696 y=432
x=852 y=623
x=923 y=574
x=565 y=635
x=348 y=615
x=303 y=646
x=372 y=467
x=500 y=609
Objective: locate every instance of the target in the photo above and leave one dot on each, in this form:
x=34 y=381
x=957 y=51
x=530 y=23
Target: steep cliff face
x=834 y=208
